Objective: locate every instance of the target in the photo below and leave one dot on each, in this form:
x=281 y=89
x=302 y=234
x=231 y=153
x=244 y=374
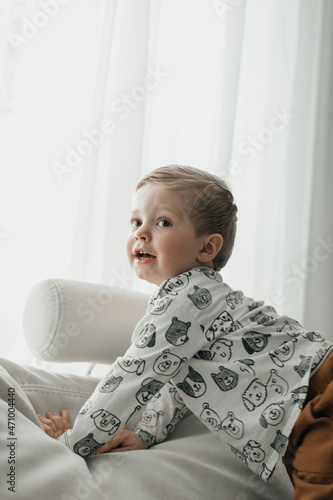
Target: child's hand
x=55 y=426
x=124 y=440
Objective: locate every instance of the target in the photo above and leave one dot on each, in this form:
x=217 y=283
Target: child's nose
x=141 y=234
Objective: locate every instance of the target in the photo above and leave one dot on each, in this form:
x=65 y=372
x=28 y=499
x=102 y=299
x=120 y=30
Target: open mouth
x=144 y=256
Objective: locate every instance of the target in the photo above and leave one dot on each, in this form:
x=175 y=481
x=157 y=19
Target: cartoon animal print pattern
x=234 y=299
x=201 y=297
x=254 y=395
x=283 y=352
x=210 y=418
x=272 y=415
x=193 y=384
x=175 y=285
x=147 y=337
x=87 y=446
x=223 y=324
x=109 y=383
x=150 y=417
x=253 y=451
x=255 y=341
x=242 y=369
x=132 y=365
x=161 y=305
x=233 y=426
x=168 y=364
x=177 y=332
x=303 y=366
x=105 y=421
x=149 y=387
x=225 y=379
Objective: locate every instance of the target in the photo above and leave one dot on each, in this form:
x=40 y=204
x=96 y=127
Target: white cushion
x=68 y=320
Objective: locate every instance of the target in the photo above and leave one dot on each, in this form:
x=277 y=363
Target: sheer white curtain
x=98 y=92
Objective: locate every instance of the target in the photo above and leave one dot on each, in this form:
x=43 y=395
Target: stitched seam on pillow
x=63 y=301
x=44 y=350
x=56 y=389
x=83 y=395
x=60 y=308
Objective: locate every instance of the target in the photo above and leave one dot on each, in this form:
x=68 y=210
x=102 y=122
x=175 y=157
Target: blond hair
x=208 y=203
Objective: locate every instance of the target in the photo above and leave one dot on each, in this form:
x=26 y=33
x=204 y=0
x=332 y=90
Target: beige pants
x=309 y=459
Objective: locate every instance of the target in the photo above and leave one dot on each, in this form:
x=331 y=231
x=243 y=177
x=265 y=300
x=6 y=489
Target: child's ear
x=211 y=247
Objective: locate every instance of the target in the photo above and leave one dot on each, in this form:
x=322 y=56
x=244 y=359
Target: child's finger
x=113 y=443
x=66 y=418
x=47 y=429
x=48 y=422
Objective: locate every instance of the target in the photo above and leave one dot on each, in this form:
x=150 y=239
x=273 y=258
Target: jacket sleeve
x=164 y=340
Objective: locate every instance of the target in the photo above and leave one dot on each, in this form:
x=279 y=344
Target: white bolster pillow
x=66 y=320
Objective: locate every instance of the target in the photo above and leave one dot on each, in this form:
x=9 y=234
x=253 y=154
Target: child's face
x=161 y=229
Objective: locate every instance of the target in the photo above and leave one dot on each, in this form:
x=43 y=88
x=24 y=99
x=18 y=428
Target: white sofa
x=73 y=321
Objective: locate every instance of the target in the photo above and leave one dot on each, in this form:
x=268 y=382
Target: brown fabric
x=309 y=458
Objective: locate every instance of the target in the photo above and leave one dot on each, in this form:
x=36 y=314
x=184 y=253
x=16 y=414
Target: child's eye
x=164 y=223
x=135 y=223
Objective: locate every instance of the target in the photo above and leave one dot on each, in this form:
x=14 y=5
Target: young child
x=260 y=381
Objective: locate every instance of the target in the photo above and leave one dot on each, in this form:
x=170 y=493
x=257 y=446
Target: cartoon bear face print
x=283 y=353
x=109 y=383
x=149 y=387
x=222 y=348
x=224 y=323
x=254 y=395
x=132 y=365
x=168 y=364
x=273 y=414
x=177 y=332
x=255 y=341
x=289 y=328
x=263 y=319
x=105 y=421
x=87 y=446
x=150 y=417
x=210 y=418
x=304 y=365
x=253 y=451
x=193 y=384
x=225 y=379
x=201 y=297
x=234 y=299
x=233 y=426
x=277 y=385
x=175 y=285
x=147 y=337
